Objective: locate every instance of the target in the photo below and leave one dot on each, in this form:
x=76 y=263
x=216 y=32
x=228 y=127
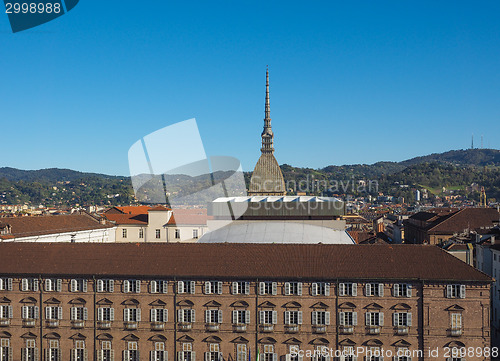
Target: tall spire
x=267 y=133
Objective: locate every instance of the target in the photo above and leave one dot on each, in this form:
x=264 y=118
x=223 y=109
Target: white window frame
x=213 y=287
x=268 y=288
x=320 y=289
x=158 y=286
x=455 y=291
x=186 y=287
x=240 y=288
x=293 y=289
x=106 y=285
x=240 y=317
x=374 y=289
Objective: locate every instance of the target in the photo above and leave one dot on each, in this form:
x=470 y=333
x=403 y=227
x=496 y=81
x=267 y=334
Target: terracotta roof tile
x=127 y=218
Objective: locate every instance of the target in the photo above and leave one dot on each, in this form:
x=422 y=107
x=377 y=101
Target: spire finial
x=267 y=133
x=268 y=107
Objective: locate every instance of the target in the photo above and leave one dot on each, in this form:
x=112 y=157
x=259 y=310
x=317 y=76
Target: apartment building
x=212 y=302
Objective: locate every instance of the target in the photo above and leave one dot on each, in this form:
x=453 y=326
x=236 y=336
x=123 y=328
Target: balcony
x=402 y=330
x=266 y=327
x=292 y=328
x=130 y=325
x=239 y=327
x=212 y=327
x=319 y=329
x=29 y=322
x=373 y=330
x=185 y=326
x=456 y=331
x=157 y=326
x=104 y=325
x=4 y=322
x=51 y=323
x=77 y=324
x=347 y=330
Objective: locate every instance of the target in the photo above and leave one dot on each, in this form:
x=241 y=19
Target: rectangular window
x=132 y=315
x=213 y=316
x=269 y=354
x=320 y=318
x=187 y=353
x=5 y=284
x=105 y=314
x=159 y=353
x=105 y=285
x=131 y=353
x=402 y=319
x=177 y=233
x=79 y=313
x=241 y=352
x=30 y=352
x=132 y=286
x=213 y=354
x=241 y=288
x=106 y=353
x=53 y=313
x=159 y=315
x=401 y=290
x=268 y=288
x=268 y=317
x=348 y=318
x=374 y=289
x=185 y=287
x=241 y=317
x=455 y=291
x=374 y=319
x=293 y=288
x=185 y=315
x=29 y=284
x=141 y=233
x=195 y=233
x=348 y=289
x=29 y=312
x=320 y=289
x=158 y=234
x=213 y=287
x=158 y=286
x=456 y=320
x=293 y=317
x=5 y=312
x=78 y=285
x=124 y=233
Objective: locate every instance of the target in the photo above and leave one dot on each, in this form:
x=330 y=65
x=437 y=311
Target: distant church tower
x=267 y=178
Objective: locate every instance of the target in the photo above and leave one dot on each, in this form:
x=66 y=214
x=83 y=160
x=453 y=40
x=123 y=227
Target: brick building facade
x=191 y=302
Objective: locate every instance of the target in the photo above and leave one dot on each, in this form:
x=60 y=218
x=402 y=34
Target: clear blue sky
x=351 y=82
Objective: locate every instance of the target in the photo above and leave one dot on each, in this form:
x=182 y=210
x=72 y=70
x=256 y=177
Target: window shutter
x=73 y=286
x=100 y=355
x=207 y=287
x=408 y=315
x=247 y=288
x=354 y=318
x=9 y=284
x=111 y=287
x=37 y=312
x=152 y=315
x=395 y=290
x=220 y=316
x=99 y=314
x=327 y=317
x=180 y=287
x=354 y=289
x=193 y=356
x=448 y=291
x=381 y=319
x=299 y=317
x=35 y=285
x=367 y=290
x=138 y=315
x=59 y=313
x=275 y=317
x=367 y=318
x=24 y=284
x=164 y=286
x=59 y=285
x=84 y=285
x=126 y=286
x=165 y=315
x=47 y=313
x=341 y=289
x=112 y=314
x=247 y=316
x=100 y=286
x=287 y=288
x=395 y=319
x=207 y=316
x=48 y=285
x=180 y=356
x=262 y=288
x=85 y=313
x=408 y=290
x=126 y=355
x=24 y=354
x=235 y=288
x=10 y=311
x=191 y=285
x=314 y=289
x=342 y=318
x=234 y=316
x=381 y=290
x=274 y=288
x=219 y=287
x=299 y=288
x=327 y=289
x=47 y=354
x=125 y=315
x=153 y=287
x=72 y=313
x=261 y=317
x=192 y=315
x=275 y=357
x=314 y=317
x=24 y=312
x=462 y=291
x=138 y=286
x=287 y=317
x=180 y=315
